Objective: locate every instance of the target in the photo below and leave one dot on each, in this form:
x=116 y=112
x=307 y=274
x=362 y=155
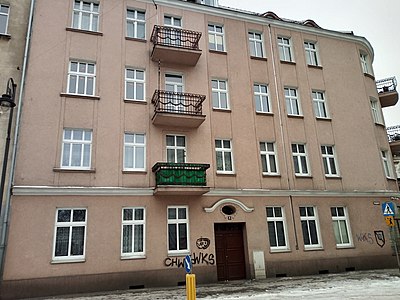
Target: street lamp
x=7 y=102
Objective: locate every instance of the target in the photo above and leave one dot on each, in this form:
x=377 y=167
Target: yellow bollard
x=190 y=287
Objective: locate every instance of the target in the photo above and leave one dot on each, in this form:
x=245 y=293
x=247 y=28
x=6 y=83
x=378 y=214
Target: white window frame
x=285 y=49
x=311 y=51
x=329 y=160
x=172 y=24
x=254 y=41
x=80 y=142
x=69 y=224
x=339 y=219
x=269 y=154
x=298 y=158
x=135 y=21
x=135 y=145
x=261 y=97
x=224 y=150
x=135 y=83
x=217 y=92
x=308 y=218
x=86 y=76
x=176 y=222
x=365 y=63
x=292 y=101
x=94 y=16
x=215 y=35
x=7 y=14
x=387 y=163
x=376 y=111
x=175 y=148
x=133 y=223
x=210 y=2
x=274 y=220
x=320 y=107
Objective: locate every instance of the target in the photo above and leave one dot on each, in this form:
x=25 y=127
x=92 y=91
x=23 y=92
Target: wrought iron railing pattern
x=393 y=133
x=180 y=103
x=386 y=85
x=175 y=37
x=183 y=174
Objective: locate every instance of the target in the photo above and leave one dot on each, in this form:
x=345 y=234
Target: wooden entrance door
x=230 y=251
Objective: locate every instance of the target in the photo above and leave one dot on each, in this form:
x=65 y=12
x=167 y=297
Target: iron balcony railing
x=175 y=37
x=386 y=85
x=180 y=103
x=183 y=174
x=393 y=133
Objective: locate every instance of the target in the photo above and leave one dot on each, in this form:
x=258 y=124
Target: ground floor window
x=133 y=232
x=309 y=226
x=178 y=229
x=341 y=226
x=276 y=228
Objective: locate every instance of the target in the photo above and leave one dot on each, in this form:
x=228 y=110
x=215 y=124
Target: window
x=292 y=102
x=210 y=2
x=365 y=63
x=256 y=44
x=261 y=98
x=81 y=78
x=174 y=34
x=76 y=149
x=309 y=226
x=173 y=21
x=176 y=149
x=4 y=13
x=268 y=158
x=285 y=51
x=69 y=234
x=220 y=94
x=216 y=37
x=133 y=232
x=134 y=84
x=85 y=15
x=135 y=24
x=276 y=228
x=134 y=152
x=223 y=151
x=376 y=111
x=341 y=228
x=175 y=100
x=300 y=159
x=387 y=166
x=319 y=104
x=311 y=53
x=328 y=159
x=178 y=229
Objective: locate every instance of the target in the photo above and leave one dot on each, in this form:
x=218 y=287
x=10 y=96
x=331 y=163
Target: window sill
x=380 y=125
x=135 y=101
x=259 y=58
x=303 y=176
x=314 y=249
x=227 y=110
x=5 y=36
x=333 y=177
x=315 y=67
x=134 y=172
x=287 y=62
x=262 y=113
x=67 y=95
x=324 y=119
x=84 y=31
x=133 y=257
x=68 y=261
x=64 y=170
x=369 y=76
x=272 y=251
x=296 y=116
x=219 y=173
x=345 y=247
x=177 y=254
x=217 y=52
x=128 y=38
x=271 y=175
x=391 y=179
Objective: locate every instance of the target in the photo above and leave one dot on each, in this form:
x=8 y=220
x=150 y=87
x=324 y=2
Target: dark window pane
x=138 y=243
x=172 y=238
x=62 y=238
x=270 y=212
x=64 y=215
x=139 y=214
x=77 y=240
x=128 y=214
x=304 y=228
x=171 y=213
x=182 y=236
x=271 y=232
x=127 y=239
x=313 y=232
x=79 y=215
x=280 y=233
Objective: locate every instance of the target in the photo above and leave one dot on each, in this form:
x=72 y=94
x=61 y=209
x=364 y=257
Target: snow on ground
x=375 y=284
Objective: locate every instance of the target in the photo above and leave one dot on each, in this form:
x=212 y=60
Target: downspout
x=282 y=134
x=5 y=220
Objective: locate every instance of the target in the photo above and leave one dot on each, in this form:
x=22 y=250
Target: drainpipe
x=282 y=133
x=4 y=227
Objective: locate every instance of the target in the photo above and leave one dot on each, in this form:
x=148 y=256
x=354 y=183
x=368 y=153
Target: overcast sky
x=377 y=20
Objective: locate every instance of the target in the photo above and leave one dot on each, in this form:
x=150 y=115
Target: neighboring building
x=394 y=142
x=151 y=131
x=14 y=15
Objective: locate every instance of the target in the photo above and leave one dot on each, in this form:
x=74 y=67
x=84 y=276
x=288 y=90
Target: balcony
x=388 y=95
x=180 y=178
x=175 y=45
x=177 y=109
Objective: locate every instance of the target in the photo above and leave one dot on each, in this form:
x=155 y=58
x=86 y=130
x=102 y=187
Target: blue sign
x=388 y=209
x=188 y=264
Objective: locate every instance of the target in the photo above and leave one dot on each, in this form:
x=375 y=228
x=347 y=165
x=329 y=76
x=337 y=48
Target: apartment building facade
x=155 y=130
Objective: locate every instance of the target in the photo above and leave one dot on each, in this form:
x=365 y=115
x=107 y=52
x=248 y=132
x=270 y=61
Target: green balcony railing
x=184 y=174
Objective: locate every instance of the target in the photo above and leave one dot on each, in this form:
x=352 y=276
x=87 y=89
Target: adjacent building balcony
x=387 y=92
x=177 y=109
x=175 y=45
x=180 y=178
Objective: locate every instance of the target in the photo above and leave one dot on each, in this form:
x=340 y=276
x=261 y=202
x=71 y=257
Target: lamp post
x=7 y=102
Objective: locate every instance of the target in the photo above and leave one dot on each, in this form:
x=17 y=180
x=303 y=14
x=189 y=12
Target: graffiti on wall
x=367 y=237
x=198 y=258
